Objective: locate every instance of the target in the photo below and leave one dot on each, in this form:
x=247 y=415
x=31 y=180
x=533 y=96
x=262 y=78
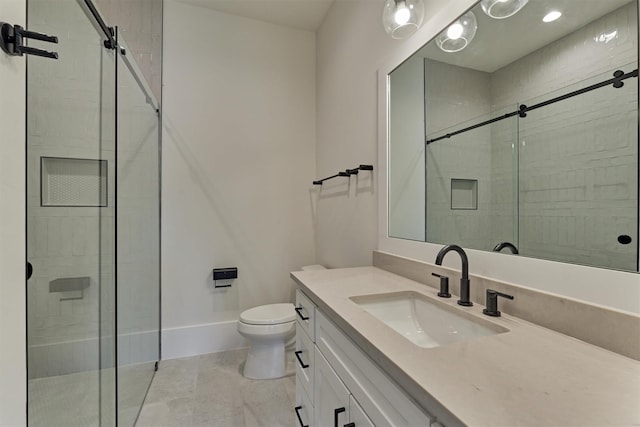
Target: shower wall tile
x=62 y=241
x=140 y=22
x=455 y=95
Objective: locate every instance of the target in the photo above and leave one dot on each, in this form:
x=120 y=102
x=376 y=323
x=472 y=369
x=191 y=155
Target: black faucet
x=464 y=280
x=500 y=246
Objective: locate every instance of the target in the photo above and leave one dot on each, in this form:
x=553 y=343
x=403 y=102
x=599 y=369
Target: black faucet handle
x=492 y=302
x=444 y=285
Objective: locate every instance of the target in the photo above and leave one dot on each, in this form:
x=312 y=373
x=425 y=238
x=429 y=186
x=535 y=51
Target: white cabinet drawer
x=382 y=400
x=304 y=408
x=306 y=313
x=305 y=363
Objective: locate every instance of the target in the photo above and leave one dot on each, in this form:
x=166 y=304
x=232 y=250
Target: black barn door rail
x=616 y=82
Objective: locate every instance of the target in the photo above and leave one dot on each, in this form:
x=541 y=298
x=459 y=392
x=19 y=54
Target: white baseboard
x=70 y=357
x=201 y=339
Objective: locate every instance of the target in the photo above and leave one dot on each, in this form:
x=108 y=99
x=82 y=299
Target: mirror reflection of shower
x=529 y=135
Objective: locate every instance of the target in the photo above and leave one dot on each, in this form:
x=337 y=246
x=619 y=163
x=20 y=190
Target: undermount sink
x=423 y=321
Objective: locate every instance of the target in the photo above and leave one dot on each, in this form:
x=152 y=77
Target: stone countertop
x=529 y=376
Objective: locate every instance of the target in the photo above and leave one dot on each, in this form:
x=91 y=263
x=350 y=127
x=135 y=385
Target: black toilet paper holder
x=228 y=273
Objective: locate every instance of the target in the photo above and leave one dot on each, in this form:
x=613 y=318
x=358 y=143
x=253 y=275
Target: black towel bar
x=346 y=173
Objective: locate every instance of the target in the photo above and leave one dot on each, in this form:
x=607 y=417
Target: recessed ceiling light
x=552 y=16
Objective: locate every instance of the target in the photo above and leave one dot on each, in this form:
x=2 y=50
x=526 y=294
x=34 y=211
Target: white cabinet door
x=331 y=397
x=382 y=399
x=305 y=364
x=357 y=417
x=303 y=408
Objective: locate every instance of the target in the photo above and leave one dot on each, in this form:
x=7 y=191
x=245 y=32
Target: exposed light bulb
x=455 y=31
x=402 y=18
x=552 y=16
x=402 y=15
x=459 y=34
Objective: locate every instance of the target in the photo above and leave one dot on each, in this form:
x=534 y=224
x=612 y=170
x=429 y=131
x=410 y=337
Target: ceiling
x=300 y=14
x=500 y=42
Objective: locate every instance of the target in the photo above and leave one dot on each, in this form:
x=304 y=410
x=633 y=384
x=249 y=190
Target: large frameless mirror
x=518 y=133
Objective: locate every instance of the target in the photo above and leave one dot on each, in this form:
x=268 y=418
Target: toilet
x=270 y=329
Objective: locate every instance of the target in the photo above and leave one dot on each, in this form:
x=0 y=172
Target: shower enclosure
x=93 y=223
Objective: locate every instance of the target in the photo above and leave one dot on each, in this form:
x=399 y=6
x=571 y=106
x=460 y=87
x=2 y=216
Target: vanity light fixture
x=552 y=16
x=501 y=9
x=459 y=34
x=402 y=18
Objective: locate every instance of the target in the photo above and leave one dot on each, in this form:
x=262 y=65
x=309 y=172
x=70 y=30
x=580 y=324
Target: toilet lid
x=271 y=314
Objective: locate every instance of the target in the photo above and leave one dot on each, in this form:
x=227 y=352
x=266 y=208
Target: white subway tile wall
x=455 y=95
x=578 y=158
x=64 y=121
x=63 y=111
x=140 y=22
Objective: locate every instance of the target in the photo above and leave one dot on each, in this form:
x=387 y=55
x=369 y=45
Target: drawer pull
x=297 y=409
x=336 y=413
x=350 y=425
x=302 y=364
x=302 y=316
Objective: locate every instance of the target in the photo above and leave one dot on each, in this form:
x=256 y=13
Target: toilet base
x=265 y=361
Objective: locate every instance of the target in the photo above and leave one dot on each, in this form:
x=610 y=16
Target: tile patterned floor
x=73 y=400
x=209 y=390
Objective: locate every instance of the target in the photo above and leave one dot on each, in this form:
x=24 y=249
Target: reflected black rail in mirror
x=616 y=81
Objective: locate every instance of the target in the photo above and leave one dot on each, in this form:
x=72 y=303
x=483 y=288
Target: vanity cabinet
x=333 y=404
x=338 y=385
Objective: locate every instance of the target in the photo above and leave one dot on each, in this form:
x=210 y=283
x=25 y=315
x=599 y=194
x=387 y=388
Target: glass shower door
x=93 y=225
x=68 y=195
x=138 y=237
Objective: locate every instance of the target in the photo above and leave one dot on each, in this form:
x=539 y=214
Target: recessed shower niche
x=73 y=182
x=464 y=194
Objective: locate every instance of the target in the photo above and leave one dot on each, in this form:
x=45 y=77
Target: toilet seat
x=271 y=314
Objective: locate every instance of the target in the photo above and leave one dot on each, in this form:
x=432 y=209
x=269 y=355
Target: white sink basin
x=424 y=321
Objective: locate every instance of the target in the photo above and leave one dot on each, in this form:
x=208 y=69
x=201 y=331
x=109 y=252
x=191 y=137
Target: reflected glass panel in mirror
x=471 y=192
x=578 y=176
x=559 y=182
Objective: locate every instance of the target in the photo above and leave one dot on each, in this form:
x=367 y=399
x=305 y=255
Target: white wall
x=238 y=150
x=13 y=359
x=351 y=48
